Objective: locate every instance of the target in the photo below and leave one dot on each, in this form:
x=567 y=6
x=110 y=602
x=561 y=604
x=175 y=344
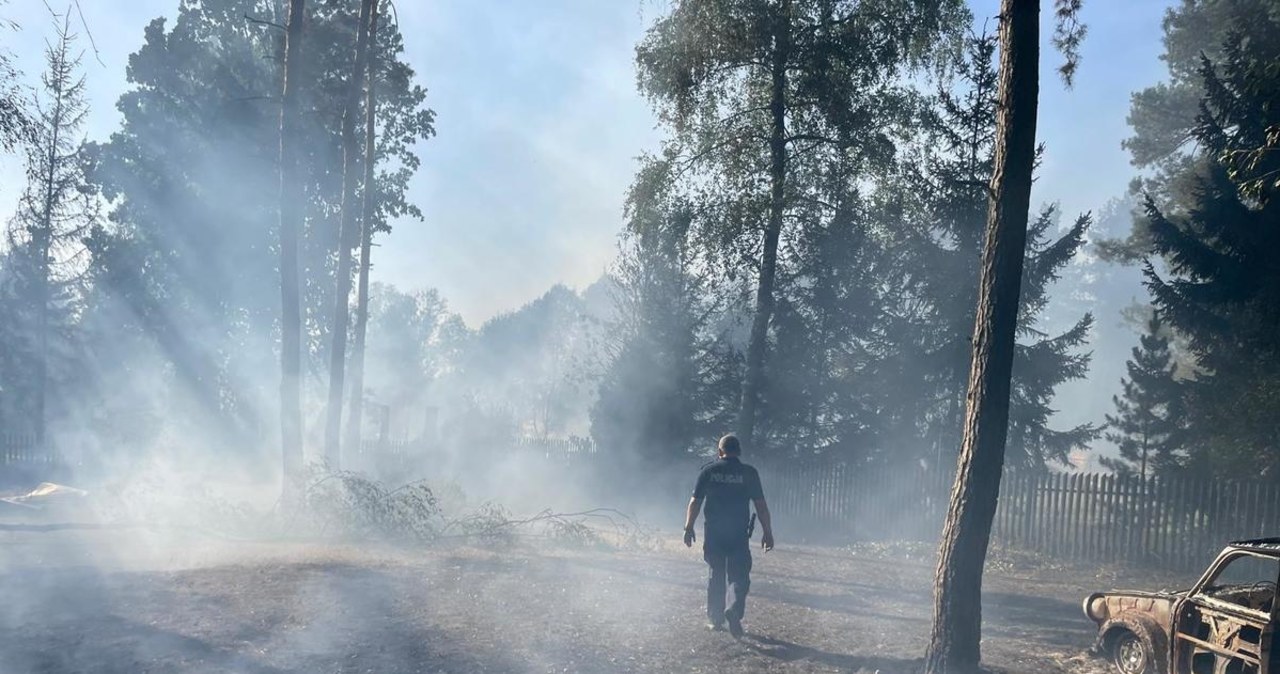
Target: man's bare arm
x=691 y=517
x=766 y=524
x=691 y=514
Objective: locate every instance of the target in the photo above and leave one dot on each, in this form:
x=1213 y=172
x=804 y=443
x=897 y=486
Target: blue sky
x=539 y=126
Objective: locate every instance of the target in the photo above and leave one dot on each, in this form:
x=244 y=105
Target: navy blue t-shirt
x=728 y=487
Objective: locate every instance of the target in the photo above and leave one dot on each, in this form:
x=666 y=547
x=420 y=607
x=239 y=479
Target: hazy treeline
x=796 y=150
x=799 y=260
x=879 y=223
x=171 y=320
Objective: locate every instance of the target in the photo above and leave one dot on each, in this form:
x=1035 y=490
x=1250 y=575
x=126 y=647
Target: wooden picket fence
x=19 y=448
x=25 y=461
x=557 y=447
x=1176 y=523
x=856 y=503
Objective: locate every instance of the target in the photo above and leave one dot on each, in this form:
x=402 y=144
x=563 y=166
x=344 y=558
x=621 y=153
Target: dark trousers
x=730 y=563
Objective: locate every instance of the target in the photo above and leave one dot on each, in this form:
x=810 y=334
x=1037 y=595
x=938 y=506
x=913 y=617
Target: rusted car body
x=1224 y=624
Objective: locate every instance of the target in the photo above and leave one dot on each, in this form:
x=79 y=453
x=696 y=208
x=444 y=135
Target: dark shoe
x=735 y=627
x=715 y=627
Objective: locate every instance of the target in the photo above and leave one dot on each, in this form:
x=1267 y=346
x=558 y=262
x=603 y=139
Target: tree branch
x=262 y=22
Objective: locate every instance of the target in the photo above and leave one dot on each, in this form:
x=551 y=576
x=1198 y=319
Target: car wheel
x=1132 y=654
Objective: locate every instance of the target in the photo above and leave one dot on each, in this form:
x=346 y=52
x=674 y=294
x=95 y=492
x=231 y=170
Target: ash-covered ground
x=123 y=601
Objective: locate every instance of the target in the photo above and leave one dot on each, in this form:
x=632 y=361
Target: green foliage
x=1068 y=35
x=43 y=258
x=15 y=119
x=1257 y=168
x=490 y=524
x=184 y=267
x=1149 y=424
x=837 y=381
x=539 y=362
x=1238 y=123
x=885 y=208
x=350 y=505
x=1164 y=116
x=573 y=533
x=647 y=401
x=941 y=274
x=1043 y=361
x=413 y=341
x=706 y=68
x=1215 y=276
x=779 y=115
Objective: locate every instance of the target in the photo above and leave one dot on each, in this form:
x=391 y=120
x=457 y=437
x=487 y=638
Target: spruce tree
x=55 y=212
x=1147 y=424
x=646 y=403
x=1217 y=276
x=956 y=167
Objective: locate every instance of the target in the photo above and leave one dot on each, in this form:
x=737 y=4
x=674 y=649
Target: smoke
x=164 y=409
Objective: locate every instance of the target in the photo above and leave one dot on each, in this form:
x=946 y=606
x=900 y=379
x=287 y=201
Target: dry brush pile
x=350 y=506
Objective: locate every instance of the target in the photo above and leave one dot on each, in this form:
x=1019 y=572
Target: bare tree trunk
x=290 y=224
x=773 y=228
x=954 y=646
x=43 y=294
x=1142 y=470
x=347 y=239
x=42 y=242
x=355 y=416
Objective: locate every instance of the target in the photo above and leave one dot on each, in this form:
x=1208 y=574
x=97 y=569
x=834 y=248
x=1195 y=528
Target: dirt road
x=70 y=607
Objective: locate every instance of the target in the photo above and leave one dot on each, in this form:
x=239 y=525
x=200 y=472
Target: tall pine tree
x=193 y=240
x=955 y=640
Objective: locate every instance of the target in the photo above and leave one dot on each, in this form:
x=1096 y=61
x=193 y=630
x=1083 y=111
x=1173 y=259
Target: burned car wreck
x=1224 y=624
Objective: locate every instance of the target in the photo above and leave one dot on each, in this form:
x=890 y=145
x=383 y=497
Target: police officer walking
x=727 y=487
